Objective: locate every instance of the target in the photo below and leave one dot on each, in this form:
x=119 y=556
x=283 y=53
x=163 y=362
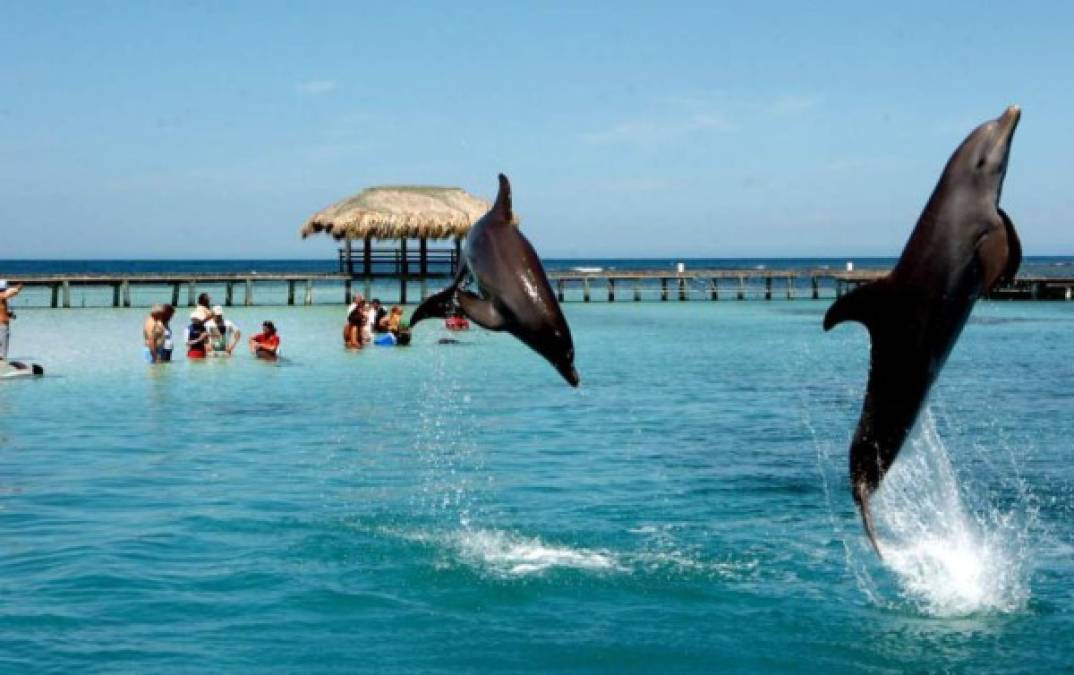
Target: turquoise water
x=458 y=508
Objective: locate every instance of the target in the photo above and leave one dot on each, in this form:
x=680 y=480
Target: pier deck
x=610 y=284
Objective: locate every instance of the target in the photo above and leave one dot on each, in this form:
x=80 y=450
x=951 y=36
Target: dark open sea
x=458 y=508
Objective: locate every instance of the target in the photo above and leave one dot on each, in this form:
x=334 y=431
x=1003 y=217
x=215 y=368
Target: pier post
x=175 y=294
x=67 y=295
x=663 y=289
x=115 y=295
x=55 y=296
x=559 y=288
x=611 y=289
x=229 y=294
x=682 y=289
x=768 y=287
x=309 y=292
x=637 y=290
x=291 y=291
x=741 y=287
x=815 y=282
x=347 y=292
x=125 y=289
x=790 y=288
x=714 y=289
x=248 y=297
x=191 y=293
x=585 y=289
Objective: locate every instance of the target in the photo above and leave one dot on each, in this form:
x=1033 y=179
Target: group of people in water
x=369 y=322
x=209 y=334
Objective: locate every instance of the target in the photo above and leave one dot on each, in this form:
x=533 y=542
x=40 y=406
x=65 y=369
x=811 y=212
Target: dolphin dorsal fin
x=502 y=207
x=866 y=304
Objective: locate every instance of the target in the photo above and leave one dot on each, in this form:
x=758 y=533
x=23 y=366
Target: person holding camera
x=6 y=315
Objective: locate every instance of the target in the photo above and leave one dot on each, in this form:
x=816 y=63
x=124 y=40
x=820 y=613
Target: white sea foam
x=508 y=554
x=952 y=554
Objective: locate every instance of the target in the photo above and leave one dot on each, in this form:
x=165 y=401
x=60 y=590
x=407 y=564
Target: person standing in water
x=169 y=342
x=224 y=335
x=153 y=334
x=6 y=315
x=197 y=338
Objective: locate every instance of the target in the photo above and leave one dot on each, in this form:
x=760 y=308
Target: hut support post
x=249 y=296
x=404 y=272
x=458 y=255
x=309 y=292
x=67 y=295
x=347 y=292
x=423 y=258
x=367 y=257
x=348 y=258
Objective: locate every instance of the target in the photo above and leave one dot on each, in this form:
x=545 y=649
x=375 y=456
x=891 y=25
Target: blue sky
x=205 y=129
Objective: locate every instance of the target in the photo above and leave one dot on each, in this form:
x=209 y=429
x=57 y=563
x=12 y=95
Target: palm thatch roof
x=398 y=211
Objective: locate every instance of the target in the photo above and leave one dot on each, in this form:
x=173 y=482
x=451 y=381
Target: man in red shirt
x=266 y=344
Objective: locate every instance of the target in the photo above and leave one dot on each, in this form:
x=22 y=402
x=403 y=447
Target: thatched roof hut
x=400 y=212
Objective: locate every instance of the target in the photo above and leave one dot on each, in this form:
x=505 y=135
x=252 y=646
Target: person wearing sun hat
x=197 y=337
x=7 y=292
x=223 y=334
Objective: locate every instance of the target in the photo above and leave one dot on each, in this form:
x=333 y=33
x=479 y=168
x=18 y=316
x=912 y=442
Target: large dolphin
x=962 y=247
x=514 y=293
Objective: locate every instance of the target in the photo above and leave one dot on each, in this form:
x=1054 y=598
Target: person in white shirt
x=223 y=334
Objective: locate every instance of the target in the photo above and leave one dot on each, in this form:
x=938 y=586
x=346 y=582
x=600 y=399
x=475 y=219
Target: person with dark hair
x=204 y=309
x=197 y=338
x=380 y=317
x=266 y=344
x=225 y=334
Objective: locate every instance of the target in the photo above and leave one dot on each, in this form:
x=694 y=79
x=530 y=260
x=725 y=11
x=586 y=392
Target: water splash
x=952 y=552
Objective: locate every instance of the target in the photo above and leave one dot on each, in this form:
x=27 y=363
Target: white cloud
x=791 y=105
x=659 y=131
x=317 y=87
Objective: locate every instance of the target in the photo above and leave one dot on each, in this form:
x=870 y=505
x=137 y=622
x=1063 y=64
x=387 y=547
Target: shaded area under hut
x=398 y=214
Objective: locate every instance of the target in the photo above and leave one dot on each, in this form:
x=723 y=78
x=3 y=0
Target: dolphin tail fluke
x=861 y=495
x=503 y=200
x=866 y=304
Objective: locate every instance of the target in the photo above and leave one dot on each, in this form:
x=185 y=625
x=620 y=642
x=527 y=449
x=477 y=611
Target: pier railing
x=569 y=285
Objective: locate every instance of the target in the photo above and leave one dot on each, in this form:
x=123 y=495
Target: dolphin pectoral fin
x=1014 y=249
x=865 y=304
x=441 y=303
x=438 y=305
x=861 y=495
x=481 y=311
x=999 y=253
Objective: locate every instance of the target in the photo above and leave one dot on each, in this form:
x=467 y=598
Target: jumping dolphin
x=962 y=247
x=515 y=295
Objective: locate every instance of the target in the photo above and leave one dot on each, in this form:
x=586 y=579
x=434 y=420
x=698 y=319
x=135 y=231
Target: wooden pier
x=611 y=285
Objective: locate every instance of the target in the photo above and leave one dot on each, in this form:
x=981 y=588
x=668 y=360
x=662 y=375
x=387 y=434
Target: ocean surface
x=458 y=508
